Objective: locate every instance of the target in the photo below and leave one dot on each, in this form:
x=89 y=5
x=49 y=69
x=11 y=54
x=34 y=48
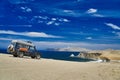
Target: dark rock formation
x=89 y=55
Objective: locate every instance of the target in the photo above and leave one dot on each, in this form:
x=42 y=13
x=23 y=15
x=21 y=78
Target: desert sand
x=12 y=68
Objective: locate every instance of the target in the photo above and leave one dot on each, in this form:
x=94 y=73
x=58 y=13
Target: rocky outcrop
x=87 y=55
x=105 y=55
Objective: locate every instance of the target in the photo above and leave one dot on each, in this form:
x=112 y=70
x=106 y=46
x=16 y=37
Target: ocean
x=58 y=55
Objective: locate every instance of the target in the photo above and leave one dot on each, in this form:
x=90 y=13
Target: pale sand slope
x=12 y=68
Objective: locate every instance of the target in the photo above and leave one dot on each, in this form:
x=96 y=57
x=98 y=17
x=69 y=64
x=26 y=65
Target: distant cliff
x=73 y=49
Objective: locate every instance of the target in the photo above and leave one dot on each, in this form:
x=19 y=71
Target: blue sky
x=93 y=24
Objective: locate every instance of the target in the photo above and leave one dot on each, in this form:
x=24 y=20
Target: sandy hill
x=111 y=54
x=108 y=54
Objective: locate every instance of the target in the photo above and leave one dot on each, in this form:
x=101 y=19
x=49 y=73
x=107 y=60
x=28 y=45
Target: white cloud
x=57 y=24
x=61 y=12
x=113 y=26
x=60 y=19
x=40 y=17
x=89 y=38
x=29 y=34
x=38 y=34
x=63 y=20
x=29 y=10
x=73 y=13
x=98 y=15
x=6 y=39
x=11 y=38
x=53 y=23
x=26 y=9
x=91 y=10
x=68 y=11
x=57 y=21
x=46 y=44
x=22 y=8
x=50 y=22
x=53 y=19
x=8 y=32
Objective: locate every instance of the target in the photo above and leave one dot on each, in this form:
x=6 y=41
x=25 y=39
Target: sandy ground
x=12 y=68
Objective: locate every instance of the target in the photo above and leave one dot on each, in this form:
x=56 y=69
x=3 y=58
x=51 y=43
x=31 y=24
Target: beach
x=14 y=68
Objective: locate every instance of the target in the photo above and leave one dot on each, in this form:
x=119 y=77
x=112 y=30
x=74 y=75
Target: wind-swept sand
x=12 y=68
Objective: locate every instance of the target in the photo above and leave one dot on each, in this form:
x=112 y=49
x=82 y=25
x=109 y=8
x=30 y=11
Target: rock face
x=87 y=55
x=105 y=55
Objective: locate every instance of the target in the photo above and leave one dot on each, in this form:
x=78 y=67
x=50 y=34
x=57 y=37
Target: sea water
x=58 y=55
x=63 y=55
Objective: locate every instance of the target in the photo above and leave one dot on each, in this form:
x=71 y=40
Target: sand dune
x=12 y=68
